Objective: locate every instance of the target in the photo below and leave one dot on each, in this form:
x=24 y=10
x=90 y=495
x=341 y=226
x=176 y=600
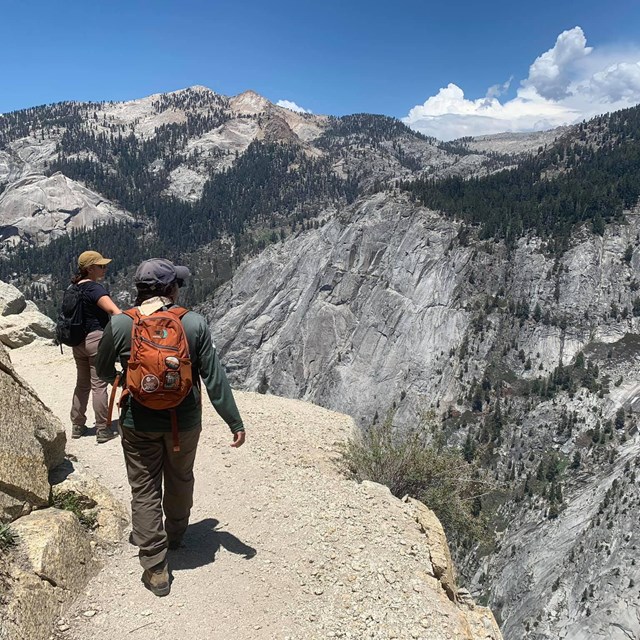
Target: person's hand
x=238 y=439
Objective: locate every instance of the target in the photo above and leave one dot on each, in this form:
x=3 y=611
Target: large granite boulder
x=32 y=441
x=11 y=300
x=51 y=564
x=21 y=322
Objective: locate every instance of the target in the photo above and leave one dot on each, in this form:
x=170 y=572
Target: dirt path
x=280 y=545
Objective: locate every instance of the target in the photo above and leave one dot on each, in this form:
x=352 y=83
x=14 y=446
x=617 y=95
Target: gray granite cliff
x=389 y=310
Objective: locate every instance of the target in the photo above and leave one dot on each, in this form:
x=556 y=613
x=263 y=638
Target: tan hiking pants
x=150 y=459
x=87 y=382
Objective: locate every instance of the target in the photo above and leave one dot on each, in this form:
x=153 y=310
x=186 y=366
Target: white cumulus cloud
x=551 y=73
x=566 y=84
x=288 y=104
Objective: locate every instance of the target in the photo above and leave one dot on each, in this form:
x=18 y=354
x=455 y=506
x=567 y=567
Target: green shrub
x=77 y=504
x=438 y=475
x=8 y=537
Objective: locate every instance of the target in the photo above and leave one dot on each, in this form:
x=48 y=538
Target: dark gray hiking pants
x=150 y=460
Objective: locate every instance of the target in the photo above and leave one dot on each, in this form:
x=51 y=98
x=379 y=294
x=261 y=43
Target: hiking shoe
x=156 y=579
x=78 y=430
x=104 y=435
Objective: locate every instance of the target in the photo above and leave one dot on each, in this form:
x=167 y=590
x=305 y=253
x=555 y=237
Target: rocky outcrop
x=11 y=300
x=441 y=561
x=32 y=442
x=466 y=620
x=38 y=208
x=54 y=554
x=20 y=320
x=517 y=144
x=51 y=563
x=27 y=156
x=110 y=516
x=19 y=329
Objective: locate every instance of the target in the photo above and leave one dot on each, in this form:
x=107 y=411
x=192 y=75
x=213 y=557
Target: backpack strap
x=112 y=397
x=178 y=311
x=175 y=434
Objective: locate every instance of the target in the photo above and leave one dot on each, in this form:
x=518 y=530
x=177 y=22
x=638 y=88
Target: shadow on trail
x=201 y=543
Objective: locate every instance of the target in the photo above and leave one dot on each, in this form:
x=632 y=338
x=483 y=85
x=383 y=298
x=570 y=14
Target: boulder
x=53 y=562
x=20 y=329
x=111 y=516
x=57 y=546
x=32 y=441
x=11 y=300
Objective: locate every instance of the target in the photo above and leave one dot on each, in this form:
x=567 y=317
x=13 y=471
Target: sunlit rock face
x=39 y=208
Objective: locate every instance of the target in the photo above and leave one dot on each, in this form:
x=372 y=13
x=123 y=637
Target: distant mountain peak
x=249 y=103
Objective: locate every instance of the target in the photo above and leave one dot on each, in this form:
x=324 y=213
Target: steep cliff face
x=376 y=304
x=355 y=311
x=528 y=355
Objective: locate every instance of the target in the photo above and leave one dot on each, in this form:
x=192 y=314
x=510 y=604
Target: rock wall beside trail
x=52 y=556
x=32 y=442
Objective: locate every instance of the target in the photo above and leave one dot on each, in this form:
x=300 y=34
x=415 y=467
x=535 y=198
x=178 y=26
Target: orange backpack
x=159 y=372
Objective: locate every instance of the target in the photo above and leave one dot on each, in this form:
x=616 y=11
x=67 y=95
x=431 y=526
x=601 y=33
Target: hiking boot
x=104 y=435
x=156 y=579
x=78 y=430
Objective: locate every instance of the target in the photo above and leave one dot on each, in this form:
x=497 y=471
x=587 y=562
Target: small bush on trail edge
x=437 y=475
x=8 y=537
x=78 y=504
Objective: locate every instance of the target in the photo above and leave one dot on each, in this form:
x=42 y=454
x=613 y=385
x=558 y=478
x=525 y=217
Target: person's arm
x=217 y=385
x=108 y=305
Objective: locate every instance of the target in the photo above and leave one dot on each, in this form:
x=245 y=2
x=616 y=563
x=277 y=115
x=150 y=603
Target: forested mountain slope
x=193 y=172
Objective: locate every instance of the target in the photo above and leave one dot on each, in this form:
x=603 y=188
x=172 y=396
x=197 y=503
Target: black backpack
x=70 y=325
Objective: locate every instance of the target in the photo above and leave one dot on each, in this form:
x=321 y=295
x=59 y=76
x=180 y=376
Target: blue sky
x=333 y=57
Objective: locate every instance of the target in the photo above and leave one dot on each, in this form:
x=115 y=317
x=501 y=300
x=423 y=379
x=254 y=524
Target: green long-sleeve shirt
x=116 y=345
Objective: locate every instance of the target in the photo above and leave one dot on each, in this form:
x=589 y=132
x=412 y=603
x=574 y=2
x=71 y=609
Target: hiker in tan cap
x=97 y=307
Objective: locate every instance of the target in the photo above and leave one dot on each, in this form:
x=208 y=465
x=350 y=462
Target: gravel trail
x=280 y=545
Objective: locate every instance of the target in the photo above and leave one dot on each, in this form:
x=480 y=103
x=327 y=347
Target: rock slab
x=32 y=441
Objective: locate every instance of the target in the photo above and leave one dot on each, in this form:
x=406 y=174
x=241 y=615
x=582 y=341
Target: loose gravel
x=281 y=544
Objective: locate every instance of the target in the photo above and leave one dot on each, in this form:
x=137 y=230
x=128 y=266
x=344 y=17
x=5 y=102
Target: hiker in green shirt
x=147 y=440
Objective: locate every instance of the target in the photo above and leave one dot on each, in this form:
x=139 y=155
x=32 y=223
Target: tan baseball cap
x=88 y=258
